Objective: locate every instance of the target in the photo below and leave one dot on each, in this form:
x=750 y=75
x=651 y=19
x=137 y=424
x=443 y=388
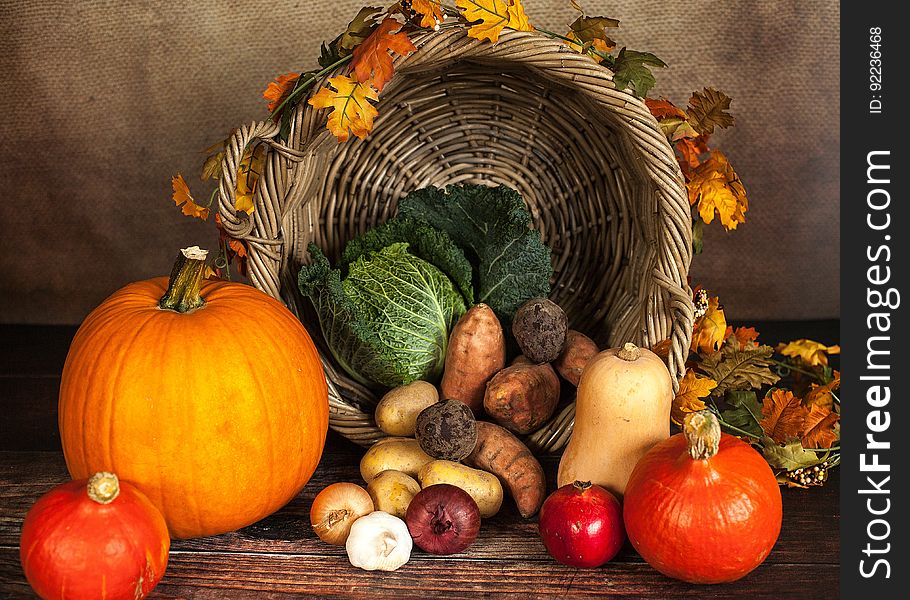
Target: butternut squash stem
x=182 y=293
x=629 y=352
x=702 y=431
x=103 y=487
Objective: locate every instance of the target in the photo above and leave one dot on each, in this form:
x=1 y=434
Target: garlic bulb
x=379 y=542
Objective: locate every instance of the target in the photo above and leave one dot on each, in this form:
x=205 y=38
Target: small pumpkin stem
x=629 y=352
x=702 y=431
x=182 y=293
x=103 y=487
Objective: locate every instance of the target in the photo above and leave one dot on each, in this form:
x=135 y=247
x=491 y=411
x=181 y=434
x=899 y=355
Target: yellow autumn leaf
x=184 y=199
x=716 y=188
x=430 y=12
x=490 y=17
x=352 y=111
x=692 y=389
x=248 y=177
x=822 y=395
x=811 y=352
x=710 y=328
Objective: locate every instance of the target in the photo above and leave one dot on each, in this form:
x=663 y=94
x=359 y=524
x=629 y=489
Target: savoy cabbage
x=387 y=321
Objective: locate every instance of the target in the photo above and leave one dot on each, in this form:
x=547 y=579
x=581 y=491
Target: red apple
x=581 y=525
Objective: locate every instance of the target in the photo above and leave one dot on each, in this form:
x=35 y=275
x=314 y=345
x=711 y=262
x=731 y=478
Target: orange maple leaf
x=430 y=12
x=691 y=150
x=352 y=111
x=809 y=351
x=490 y=17
x=184 y=199
x=783 y=416
x=715 y=188
x=818 y=428
x=278 y=90
x=743 y=336
x=692 y=389
x=662 y=108
x=372 y=58
x=710 y=328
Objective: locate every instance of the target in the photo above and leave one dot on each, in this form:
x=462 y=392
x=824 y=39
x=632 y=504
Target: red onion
x=443 y=519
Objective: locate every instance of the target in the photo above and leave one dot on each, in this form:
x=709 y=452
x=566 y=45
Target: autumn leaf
x=359 y=29
x=691 y=151
x=211 y=168
x=489 y=17
x=662 y=108
x=739 y=368
x=430 y=12
x=662 y=349
x=184 y=199
x=350 y=101
x=708 y=109
x=810 y=352
x=590 y=30
x=234 y=248
x=744 y=337
x=248 y=173
x=790 y=456
x=631 y=70
x=692 y=389
x=783 y=415
x=715 y=188
x=372 y=58
x=744 y=411
x=596 y=50
x=709 y=330
x=822 y=395
x=278 y=90
x=818 y=428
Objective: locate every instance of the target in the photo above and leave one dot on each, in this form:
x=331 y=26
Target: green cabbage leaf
x=387 y=321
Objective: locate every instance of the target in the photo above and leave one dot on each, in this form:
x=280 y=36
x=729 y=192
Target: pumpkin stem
x=702 y=431
x=103 y=487
x=182 y=293
x=629 y=352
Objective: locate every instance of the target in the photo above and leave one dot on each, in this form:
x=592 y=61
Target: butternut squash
x=621 y=411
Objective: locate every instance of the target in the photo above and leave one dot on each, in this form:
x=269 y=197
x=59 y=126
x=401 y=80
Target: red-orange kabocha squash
x=208 y=395
x=96 y=538
x=703 y=506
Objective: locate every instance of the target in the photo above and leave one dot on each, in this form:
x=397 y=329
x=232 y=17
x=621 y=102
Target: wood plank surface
x=281 y=557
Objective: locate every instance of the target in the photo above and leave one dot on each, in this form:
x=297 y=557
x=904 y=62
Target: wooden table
x=281 y=556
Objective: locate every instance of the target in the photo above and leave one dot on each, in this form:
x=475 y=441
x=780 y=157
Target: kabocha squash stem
x=702 y=430
x=182 y=293
x=103 y=487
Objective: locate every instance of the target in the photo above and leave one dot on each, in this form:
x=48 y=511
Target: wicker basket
x=600 y=179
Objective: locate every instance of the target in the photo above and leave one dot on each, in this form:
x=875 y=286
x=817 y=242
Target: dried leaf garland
x=278 y=90
x=631 y=70
x=352 y=111
x=372 y=62
x=783 y=415
x=818 y=428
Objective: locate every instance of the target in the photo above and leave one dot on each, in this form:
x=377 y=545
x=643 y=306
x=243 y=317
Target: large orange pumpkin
x=214 y=403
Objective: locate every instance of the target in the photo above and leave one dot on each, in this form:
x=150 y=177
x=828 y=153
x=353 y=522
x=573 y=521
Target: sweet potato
x=504 y=455
x=579 y=349
x=476 y=352
x=523 y=396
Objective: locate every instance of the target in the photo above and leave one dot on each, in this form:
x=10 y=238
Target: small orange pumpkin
x=99 y=538
x=209 y=395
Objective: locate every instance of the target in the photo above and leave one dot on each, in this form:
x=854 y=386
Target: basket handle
x=261 y=230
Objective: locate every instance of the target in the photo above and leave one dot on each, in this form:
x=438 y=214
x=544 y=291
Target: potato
x=394 y=454
x=392 y=492
x=483 y=487
x=396 y=414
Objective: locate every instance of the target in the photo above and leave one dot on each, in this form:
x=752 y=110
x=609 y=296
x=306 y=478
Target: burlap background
x=103 y=101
